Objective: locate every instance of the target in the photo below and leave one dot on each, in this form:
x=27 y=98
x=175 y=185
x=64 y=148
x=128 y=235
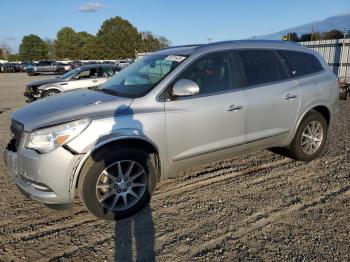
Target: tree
x=305 y=37
x=164 y=41
x=291 y=36
x=150 y=42
x=33 y=48
x=5 y=51
x=333 y=34
x=50 y=48
x=117 y=38
x=67 y=44
x=14 y=57
x=87 y=46
x=316 y=36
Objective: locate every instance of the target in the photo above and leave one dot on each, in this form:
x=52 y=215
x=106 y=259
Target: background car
x=123 y=63
x=23 y=65
x=51 y=67
x=10 y=68
x=89 y=76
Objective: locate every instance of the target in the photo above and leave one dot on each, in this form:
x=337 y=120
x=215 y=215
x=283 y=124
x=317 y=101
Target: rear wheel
x=117 y=182
x=310 y=137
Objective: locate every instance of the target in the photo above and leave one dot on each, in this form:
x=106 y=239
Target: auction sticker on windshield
x=176 y=58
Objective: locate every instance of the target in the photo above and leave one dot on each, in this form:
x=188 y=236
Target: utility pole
x=342 y=58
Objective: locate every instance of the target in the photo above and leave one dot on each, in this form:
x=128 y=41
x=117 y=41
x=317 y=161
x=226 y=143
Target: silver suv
x=171 y=110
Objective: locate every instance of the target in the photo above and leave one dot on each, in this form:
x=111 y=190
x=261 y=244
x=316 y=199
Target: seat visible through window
x=211 y=73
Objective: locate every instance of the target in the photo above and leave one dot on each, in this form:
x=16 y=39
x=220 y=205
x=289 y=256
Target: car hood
x=69 y=106
x=46 y=81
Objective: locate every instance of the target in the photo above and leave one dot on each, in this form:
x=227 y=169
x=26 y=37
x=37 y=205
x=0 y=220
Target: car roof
x=190 y=49
x=97 y=65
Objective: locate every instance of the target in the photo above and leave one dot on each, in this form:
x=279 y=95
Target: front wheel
x=51 y=92
x=61 y=71
x=117 y=182
x=310 y=137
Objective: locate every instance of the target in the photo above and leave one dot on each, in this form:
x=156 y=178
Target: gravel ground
x=258 y=206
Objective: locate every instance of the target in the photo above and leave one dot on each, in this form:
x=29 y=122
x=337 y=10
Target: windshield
x=140 y=77
x=70 y=73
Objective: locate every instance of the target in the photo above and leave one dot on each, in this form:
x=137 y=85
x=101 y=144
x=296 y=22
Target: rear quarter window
x=300 y=63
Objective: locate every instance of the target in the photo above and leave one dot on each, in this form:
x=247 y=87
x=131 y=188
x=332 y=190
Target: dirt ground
x=258 y=206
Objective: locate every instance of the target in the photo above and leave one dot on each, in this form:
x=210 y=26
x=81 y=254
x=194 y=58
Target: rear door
x=211 y=124
x=272 y=97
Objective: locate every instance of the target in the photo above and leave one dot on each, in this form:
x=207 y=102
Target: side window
x=300 y=63
x=105 y=71
x=89 y=73
x=261 y=66
x=44 y=63
x=212 y=73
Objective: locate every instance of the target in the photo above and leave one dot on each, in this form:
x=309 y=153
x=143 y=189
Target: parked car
x=0 y=67
x=123 y=63
x=51 y=67
x=88 y=76
x=344 y=89
x=171 y=110
x=10 y=68
x=24 y=65
x=75 y=64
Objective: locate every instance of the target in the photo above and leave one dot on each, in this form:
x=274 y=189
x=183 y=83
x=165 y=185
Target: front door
x=210 y=123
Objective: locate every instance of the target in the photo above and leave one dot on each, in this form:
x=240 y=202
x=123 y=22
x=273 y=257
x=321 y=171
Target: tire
x=93 y=180
x=50 y=92
x=311 y=148
x=61 y=71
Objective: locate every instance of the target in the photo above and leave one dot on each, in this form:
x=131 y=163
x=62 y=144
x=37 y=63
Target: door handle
x=95 y=81
x=290 y=97
x=234 y=108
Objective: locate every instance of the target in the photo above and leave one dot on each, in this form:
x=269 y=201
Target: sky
x=180 y=21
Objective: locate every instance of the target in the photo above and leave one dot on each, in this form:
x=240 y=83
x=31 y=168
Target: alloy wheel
x=312 y=137
x=121 y=185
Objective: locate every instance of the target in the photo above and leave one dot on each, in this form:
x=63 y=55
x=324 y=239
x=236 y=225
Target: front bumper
x=43 y=177
x=32 y=94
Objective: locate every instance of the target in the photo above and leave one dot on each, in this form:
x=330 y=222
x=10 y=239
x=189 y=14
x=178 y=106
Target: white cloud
x=90 y=7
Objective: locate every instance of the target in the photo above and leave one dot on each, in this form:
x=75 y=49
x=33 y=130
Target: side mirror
x=185 y=87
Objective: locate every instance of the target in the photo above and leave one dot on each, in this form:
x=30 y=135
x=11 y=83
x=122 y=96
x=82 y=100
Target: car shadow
x=135 y=235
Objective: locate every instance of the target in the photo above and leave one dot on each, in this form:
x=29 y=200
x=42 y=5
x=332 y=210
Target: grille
x=17 y=131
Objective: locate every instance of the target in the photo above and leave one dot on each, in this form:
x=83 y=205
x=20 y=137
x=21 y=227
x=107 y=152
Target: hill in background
x=334 y=22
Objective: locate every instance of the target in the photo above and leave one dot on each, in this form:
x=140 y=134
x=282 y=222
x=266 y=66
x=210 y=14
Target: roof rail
x=179 y=46
x=252 y=41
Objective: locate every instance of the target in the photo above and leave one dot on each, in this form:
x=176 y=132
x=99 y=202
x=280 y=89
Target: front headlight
x=47 y=139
